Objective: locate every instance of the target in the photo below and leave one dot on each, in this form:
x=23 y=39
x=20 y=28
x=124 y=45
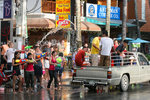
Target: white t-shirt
x=10 y=54
x=107 y=44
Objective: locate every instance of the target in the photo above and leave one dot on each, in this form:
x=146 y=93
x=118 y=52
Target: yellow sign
x=62 y=6
x=62 y=20
x=63 y=13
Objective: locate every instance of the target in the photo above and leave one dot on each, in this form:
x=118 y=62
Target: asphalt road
x=70 y=92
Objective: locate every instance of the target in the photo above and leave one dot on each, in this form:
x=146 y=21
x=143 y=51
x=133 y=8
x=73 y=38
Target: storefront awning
x=87 y=26
x=49 y=23
x=39 y=23
x=100 y=21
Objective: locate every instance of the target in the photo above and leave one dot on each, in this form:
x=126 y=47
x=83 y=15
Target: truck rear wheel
x=124 y=84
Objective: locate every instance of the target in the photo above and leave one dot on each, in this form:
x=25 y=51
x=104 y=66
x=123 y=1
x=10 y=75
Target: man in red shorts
x=79 y=58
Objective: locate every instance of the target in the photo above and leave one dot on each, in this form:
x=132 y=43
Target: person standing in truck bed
x=95 y=49
x=106 y=44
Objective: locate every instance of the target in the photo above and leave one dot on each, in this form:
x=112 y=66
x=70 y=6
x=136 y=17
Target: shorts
x=95 y=59
x=9 y=66
x=3 y=61
x=16 y=72
x=105 y=61
x=38 y=72
x=46 y=63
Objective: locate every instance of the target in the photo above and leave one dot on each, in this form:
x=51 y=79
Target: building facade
x=46 y=9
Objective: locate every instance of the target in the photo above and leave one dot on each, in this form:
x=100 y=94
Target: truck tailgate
x=91 y=72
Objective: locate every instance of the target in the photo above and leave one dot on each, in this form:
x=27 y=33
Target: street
x=77 y=92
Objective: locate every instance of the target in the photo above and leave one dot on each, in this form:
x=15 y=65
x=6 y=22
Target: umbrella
x=28 y=47
x=138 y=40
x=129 y=39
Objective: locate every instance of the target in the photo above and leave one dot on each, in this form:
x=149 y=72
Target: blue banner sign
x=7 y=9
x=99 y=11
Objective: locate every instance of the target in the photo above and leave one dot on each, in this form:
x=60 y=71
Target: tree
x=108 y=16
x=137 y=19
x=124 y=20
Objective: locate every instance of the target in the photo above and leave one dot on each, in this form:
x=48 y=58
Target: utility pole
x=108 y=16
x=21 y=23
x=137 y=19
x=78 y=23
x=124 y=23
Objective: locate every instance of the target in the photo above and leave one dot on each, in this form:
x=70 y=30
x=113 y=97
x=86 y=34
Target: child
x=60 y=66
x=30 y=72
x=16 y=71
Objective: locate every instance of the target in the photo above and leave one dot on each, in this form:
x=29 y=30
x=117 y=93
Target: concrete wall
x=146 y=27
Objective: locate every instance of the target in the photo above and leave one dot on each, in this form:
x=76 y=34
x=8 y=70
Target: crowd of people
x=50 y=67
x=101 y=49
x=36 y=67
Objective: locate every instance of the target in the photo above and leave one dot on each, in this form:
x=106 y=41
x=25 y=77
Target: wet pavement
x=72 y=92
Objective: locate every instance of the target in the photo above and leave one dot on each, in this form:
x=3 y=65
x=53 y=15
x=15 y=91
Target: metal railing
x=128 y=58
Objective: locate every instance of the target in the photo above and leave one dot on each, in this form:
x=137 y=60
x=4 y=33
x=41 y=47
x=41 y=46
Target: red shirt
x=79 y=58
x=30 y=67
x=52 y=67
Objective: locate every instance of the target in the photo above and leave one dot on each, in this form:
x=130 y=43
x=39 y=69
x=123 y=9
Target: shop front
x=39 y=27
x=97 y=14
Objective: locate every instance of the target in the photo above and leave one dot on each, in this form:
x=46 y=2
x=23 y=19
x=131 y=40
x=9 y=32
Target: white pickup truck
x=133 y=68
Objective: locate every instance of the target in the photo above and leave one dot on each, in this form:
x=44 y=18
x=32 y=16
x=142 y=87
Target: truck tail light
x=74 y=72
x=83 y=67
x=109 y=74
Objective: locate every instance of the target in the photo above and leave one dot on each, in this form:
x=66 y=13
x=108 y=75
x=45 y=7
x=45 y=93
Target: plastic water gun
x=30 y=61
x=42 y=55
x=28 y=47
x=23 y=61
x=20 y=60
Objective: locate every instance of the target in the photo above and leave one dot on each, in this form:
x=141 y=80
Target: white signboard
x=1 y=8
x=91 y=10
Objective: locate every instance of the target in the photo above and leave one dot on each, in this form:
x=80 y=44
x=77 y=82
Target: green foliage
x=148 y=56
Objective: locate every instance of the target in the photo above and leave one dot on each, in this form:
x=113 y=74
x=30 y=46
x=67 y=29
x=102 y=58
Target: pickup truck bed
x=115 y=75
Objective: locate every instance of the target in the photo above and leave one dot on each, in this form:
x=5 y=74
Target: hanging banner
x=63 y=13
x=7 y=8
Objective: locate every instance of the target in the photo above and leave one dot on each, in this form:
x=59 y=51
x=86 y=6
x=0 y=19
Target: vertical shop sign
x=5 y=31
x=63 y=16
x=7 y=9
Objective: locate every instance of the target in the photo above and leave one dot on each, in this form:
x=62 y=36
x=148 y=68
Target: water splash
x=54 y=30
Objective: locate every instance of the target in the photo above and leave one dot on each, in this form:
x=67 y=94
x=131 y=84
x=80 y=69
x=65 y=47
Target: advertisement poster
x=63 y=15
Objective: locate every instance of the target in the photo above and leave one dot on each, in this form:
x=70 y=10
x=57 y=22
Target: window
x=142 y=60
